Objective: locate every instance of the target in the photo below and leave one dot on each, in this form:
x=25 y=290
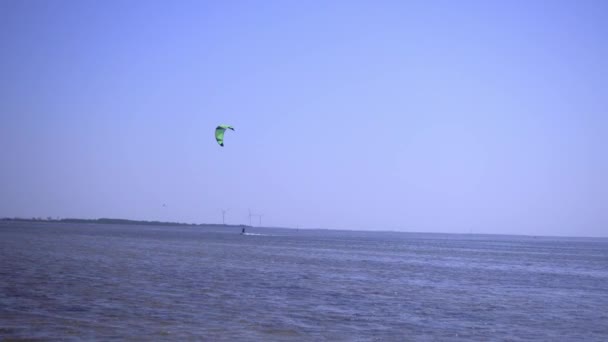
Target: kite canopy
x=219 y=133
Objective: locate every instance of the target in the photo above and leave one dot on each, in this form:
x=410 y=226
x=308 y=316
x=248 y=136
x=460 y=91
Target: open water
x=75 y=282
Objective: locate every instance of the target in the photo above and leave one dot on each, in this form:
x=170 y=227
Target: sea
x=62 y=281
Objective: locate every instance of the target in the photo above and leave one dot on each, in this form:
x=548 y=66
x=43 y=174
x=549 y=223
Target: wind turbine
x=259 y=218
x=224 y=211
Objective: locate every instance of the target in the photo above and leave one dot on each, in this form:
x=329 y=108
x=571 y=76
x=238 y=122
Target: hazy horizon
x=426 y=116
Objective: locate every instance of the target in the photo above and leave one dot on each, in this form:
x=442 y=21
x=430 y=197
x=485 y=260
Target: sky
x=420 y=116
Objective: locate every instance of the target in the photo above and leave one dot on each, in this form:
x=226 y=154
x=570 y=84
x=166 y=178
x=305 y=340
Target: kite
x=219 y=133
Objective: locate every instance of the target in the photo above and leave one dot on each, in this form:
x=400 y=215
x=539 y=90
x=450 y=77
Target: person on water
x=243 y=231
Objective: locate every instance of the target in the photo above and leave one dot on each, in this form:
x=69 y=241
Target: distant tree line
x=113 y=221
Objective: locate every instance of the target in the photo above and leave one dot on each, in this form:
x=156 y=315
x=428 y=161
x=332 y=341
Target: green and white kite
x=219 y=133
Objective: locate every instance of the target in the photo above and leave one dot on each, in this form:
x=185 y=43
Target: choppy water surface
x=136 y=282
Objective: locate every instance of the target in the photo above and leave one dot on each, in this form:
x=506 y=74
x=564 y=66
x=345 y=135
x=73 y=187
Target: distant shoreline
x=118 y=221
x=115 y=221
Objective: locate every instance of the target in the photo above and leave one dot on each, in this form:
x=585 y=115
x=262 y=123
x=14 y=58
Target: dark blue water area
x=84 y=281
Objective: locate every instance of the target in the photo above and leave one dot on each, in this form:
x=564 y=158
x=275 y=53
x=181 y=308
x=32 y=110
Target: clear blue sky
x=443 y=116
